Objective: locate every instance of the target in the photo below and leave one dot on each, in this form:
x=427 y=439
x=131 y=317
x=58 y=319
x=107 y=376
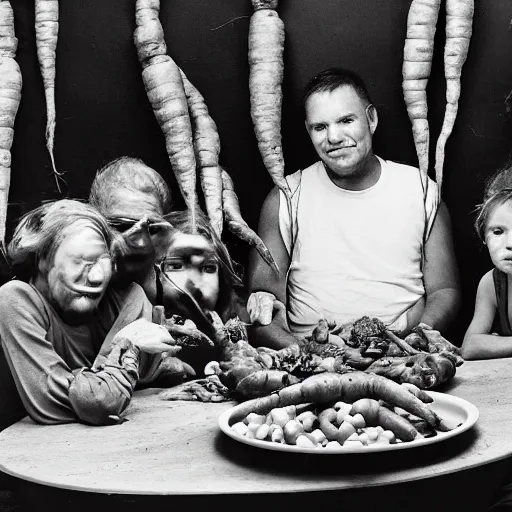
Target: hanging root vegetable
x=418 y=51
x=10 y=96
x=459 y=21
x=47 y=29
x=165 y=91
x=207 y=148
x=266 y=46
x=237 y=224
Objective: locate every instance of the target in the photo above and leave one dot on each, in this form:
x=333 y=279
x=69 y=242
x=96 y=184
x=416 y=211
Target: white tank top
x=355 y=252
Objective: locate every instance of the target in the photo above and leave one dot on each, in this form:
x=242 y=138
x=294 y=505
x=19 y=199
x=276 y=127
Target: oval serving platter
x=456 y=410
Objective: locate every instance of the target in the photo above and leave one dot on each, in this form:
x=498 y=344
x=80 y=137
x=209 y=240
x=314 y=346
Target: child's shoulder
x=486 y=285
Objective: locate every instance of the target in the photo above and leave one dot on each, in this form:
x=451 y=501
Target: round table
x=175 y=451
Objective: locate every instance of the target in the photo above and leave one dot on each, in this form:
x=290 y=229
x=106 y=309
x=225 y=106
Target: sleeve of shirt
x=42 y=377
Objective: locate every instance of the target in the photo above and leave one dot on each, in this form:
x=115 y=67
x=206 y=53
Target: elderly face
x=138 y=216
x=78 y=275
x=191 y=263
x=341 y=128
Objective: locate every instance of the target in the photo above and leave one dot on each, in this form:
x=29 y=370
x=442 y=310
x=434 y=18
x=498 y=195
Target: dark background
x=103 y=112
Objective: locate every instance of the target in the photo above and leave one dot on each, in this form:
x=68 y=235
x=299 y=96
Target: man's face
x=341 y=128
x=80 y=271
x=191 y=263
x=145 y=241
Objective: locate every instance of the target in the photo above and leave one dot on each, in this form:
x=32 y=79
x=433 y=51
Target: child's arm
x=478 y=342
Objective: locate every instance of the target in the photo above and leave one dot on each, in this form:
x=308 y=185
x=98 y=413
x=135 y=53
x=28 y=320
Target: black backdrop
x=103 y=112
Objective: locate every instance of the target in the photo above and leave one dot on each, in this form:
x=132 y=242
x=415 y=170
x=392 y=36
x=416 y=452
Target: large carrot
x=348 y=387
x=266 y=69
x=459 y=21
x=165 y=91
x=418 y=51
x=10 y=96
x=47 y=29
x=237 y=224
x=207 y=147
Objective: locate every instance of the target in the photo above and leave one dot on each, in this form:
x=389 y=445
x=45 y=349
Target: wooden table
x=174 y=451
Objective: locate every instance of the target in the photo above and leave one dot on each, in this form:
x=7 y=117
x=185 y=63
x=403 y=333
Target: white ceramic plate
x=457 y=410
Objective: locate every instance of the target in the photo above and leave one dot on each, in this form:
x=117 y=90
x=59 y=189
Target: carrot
x=47 y=29
x=10 y=96
x=348 y=387
x=375 y=414
x=264 y=382
x=237 y=224
x=266 y=69
x=418 y=51
x=165 y=91
x=207 y=148
x=459 y=20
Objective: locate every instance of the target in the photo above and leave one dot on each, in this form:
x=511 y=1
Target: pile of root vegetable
x=423 y=359
x=332 y=411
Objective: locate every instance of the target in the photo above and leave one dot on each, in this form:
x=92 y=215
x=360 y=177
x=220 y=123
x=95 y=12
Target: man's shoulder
x=405 y=173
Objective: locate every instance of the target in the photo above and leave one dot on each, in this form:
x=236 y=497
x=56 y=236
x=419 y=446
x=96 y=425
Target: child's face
x=498 y=237
x=191 y=263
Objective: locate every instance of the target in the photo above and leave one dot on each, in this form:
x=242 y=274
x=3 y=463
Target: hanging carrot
x=10 y=96
x=165 y=91
x=237 y=224
x=266 y=46
x=47 y=30
x=418 y=51
x=207 y=147
x=459 y=21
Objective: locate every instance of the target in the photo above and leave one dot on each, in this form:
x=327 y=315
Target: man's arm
x=262 y=278
x=441 y=277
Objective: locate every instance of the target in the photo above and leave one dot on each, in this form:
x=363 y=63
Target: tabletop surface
x=177 y=448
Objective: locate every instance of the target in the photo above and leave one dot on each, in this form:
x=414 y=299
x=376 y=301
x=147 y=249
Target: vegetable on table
x=348 y=387
x=10 y=96
x=459 y=21
x=47 y=29
x=237 y=224
x=266 y=69
x=207 y=148
x=417 y=64
x=165 y=91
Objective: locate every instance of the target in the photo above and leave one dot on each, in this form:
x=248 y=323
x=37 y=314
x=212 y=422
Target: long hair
x=485 y=210
x=331 y=79
x=127 y=173
x=40 y=232
x=230 y=282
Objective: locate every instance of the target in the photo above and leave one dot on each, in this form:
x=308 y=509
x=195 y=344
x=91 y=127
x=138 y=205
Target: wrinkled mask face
x=191 y=263
x=137 y=216
x=80 y=272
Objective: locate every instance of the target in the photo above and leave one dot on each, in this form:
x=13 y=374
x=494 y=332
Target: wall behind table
x=103 y=112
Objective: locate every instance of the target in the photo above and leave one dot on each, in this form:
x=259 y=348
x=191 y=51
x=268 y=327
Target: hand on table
x=262 y=307
x=149 y=337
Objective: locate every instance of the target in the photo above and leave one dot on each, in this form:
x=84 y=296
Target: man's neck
x=365 y=178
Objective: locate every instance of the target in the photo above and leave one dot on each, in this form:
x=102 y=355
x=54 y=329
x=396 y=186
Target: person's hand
x=260 y=307
x=149 y=337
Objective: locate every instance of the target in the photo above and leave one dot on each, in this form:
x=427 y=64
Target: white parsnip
x=10 y=96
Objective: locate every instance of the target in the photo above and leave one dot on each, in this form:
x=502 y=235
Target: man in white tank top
x=350 y=240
